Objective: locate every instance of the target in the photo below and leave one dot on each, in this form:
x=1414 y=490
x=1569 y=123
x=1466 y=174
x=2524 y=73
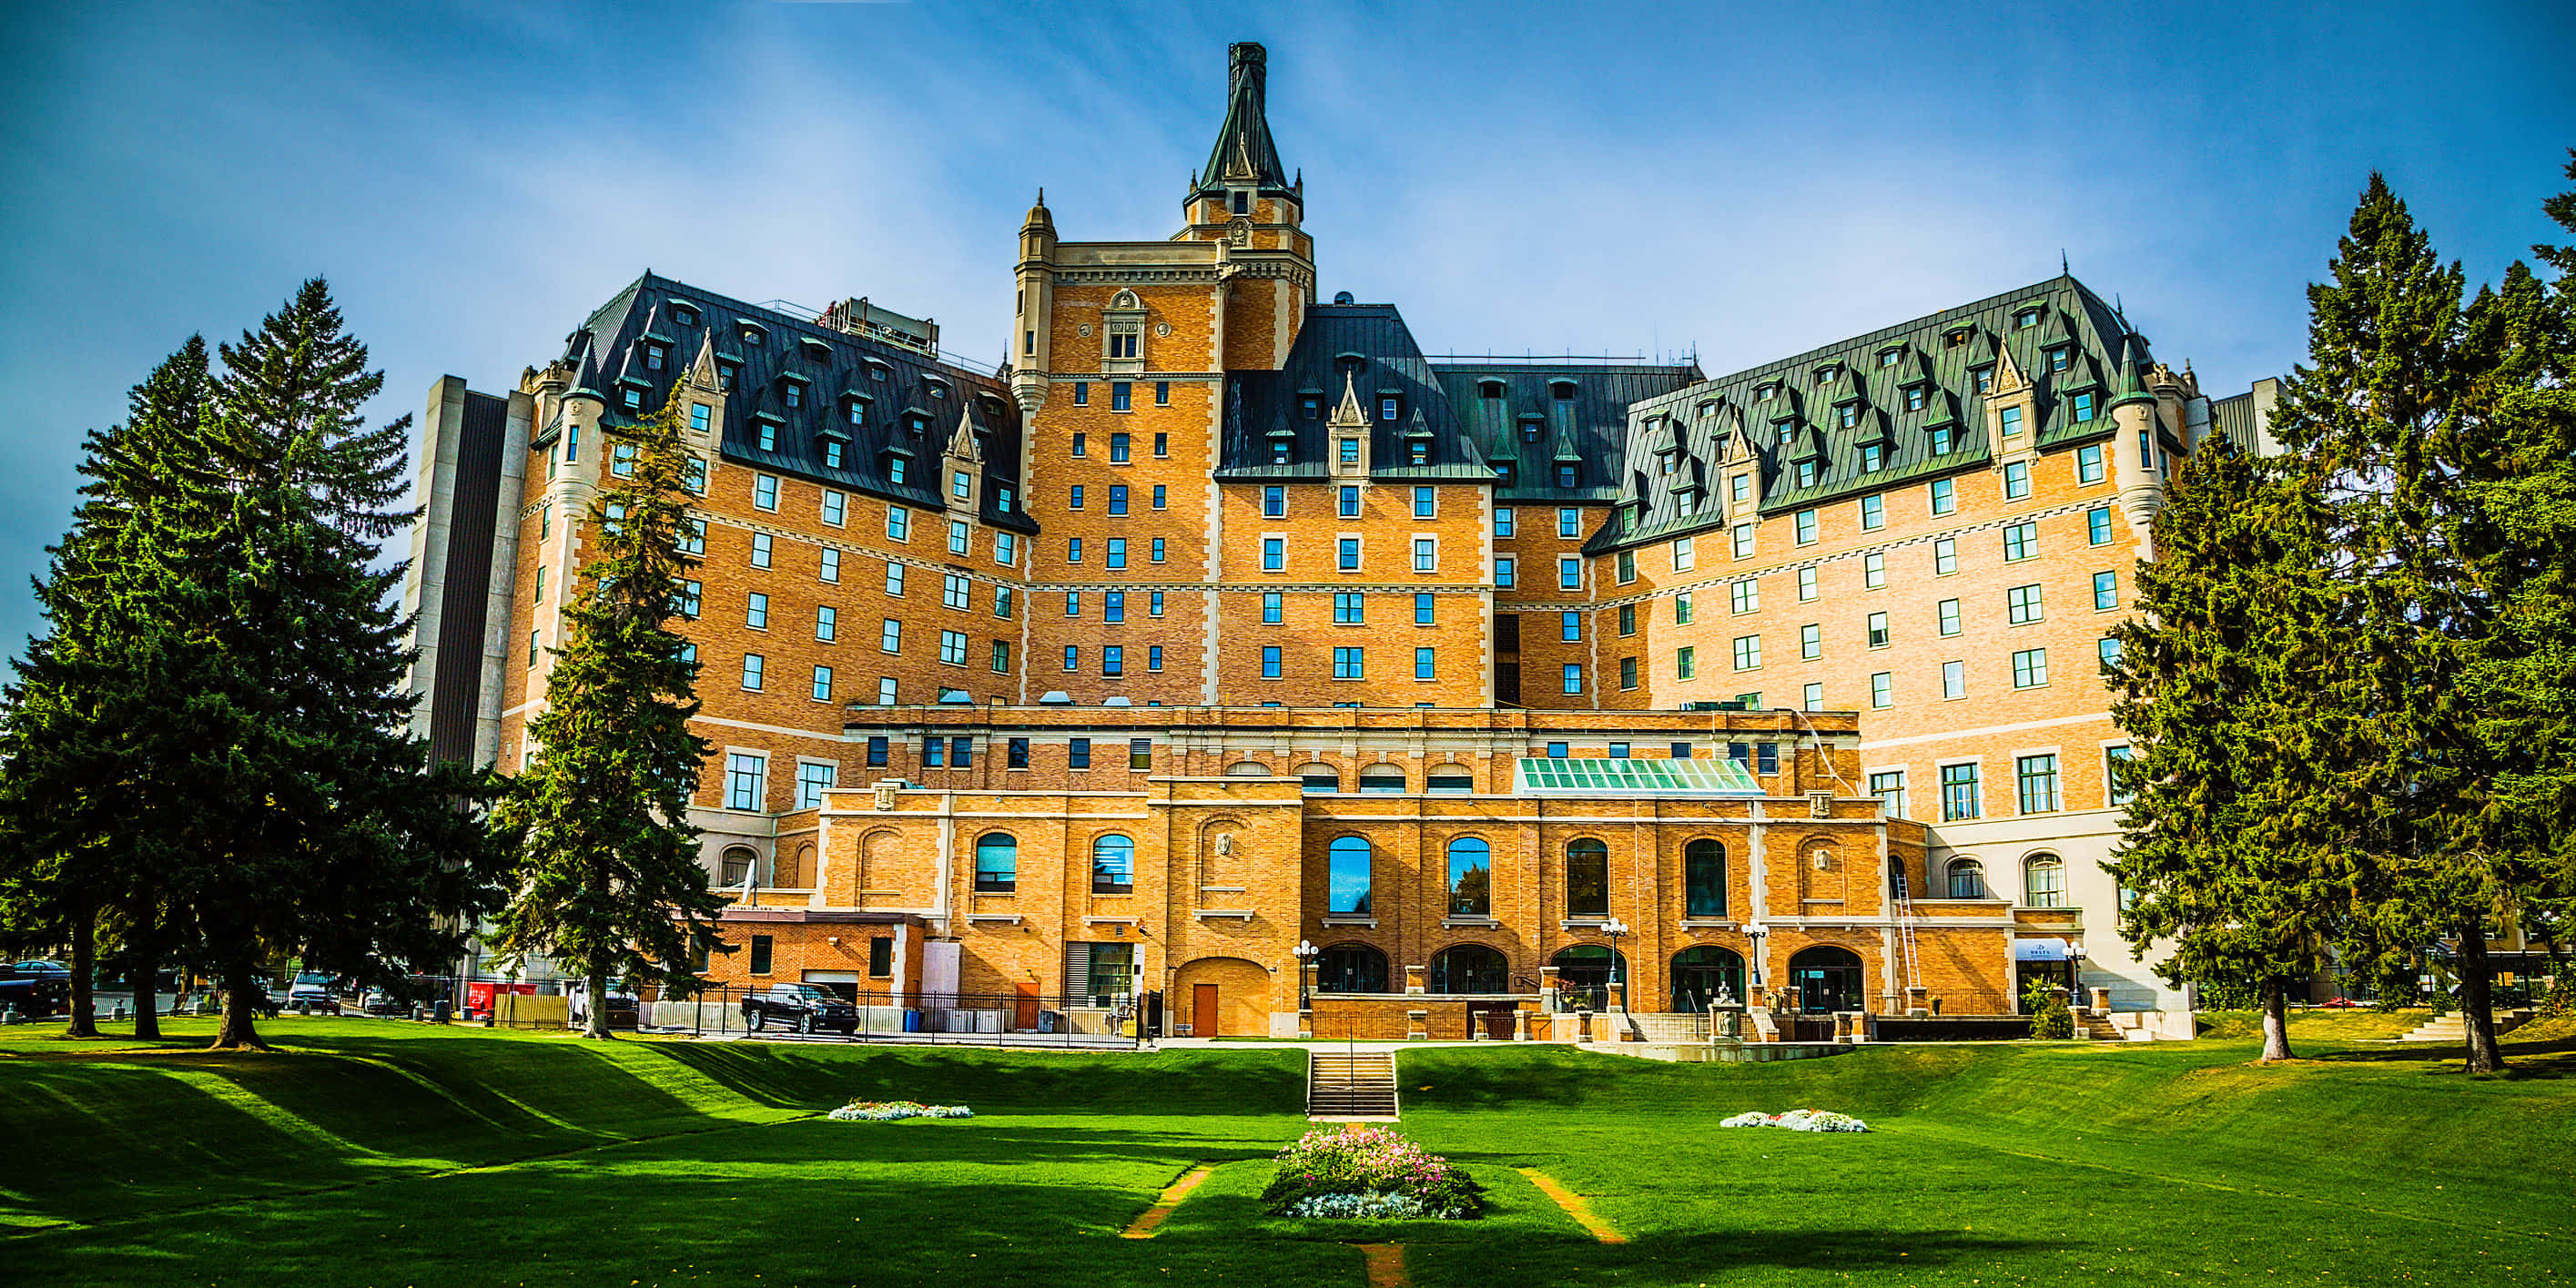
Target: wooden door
x=1203 y=1021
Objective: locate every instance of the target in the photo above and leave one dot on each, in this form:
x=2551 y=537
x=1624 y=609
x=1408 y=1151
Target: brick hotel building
x=1221 y=620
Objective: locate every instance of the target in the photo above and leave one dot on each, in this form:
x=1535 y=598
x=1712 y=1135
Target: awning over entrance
x=2040 y=950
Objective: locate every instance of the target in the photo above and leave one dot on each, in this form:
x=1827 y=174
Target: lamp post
x=2074 y=973
x=1616 y=928
x=1754 y=932
x=1305 y=953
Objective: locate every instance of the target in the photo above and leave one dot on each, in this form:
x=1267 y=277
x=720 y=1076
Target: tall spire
x=1244 y=154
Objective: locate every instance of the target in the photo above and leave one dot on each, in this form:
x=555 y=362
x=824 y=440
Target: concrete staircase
x=1345 y=1087
x=2096 y=1026
x=2451 y=1028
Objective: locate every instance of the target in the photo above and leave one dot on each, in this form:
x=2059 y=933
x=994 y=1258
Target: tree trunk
x=2276 y=1021
x=147 y=972
x=84 y=1001
x=2477 y=1001
x=240 y=1030
x=595 y=1025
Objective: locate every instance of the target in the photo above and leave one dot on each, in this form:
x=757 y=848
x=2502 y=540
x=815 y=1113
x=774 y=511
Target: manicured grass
x=391 y=1153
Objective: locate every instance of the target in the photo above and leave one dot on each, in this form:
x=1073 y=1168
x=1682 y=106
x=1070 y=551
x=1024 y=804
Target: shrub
x=2560 y=1000
x=1799 y=1120
x=2049 y=1017
x=1368 y=1172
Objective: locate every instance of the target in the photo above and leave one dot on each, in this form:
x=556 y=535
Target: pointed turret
x=2133 y=387
x=1244 y=155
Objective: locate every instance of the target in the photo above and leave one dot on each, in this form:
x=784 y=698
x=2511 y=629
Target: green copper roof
x=1571 y=776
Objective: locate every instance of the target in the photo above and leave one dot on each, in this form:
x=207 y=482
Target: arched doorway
x=1584 y=974
x=1222 y=997
x=1827 y=979
x=1350 y=968
x=1706 y=974
x=1468 y=968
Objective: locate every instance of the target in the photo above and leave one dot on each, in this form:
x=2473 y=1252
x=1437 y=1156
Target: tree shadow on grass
x=2543 y=1060
x=1707 y=1256
x=820 y=1076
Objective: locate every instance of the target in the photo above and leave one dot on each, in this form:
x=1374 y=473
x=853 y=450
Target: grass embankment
x=393 y=1153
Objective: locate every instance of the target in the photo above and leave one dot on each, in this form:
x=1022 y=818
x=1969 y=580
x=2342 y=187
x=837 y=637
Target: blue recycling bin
x=912 y=1021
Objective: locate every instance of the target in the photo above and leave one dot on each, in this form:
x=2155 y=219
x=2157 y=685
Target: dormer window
x=894 y=470
x=2025 y=319
x=1508 y=473
x=1787 y=430
x=754 y=333
x=1806 y=473
x=1278 y=453
x=938 y=388
x=1873 y=458
x=1707 y=409
x=916 y=425
x=1562 y=389
x=856 y=411
x=1667 y=461
x=1825 y=374
x=684 y=315
x=815 y=349
x=1490 y=389
x=1985 y=378
x=2061 y=357
x=1242 y=202
x=1849 y=415
x=1530 y=426
x=768 y=435
x=632 y=398
x=1956 y=337
x=1888 y=357
x=1565 y=474
x=726 y=374
x=831 y=453
x=1310 y=406
x=1914 y=398
x=792 y=393
x=1389 y=407
x=1421 y=451
x=1767 y=392
x=652 y=357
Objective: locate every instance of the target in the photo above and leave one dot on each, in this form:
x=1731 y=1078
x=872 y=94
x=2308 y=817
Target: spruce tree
x=80 y=736
x=2396 y=409
x=318 y=830
x=2220 y=675
x=608 y=881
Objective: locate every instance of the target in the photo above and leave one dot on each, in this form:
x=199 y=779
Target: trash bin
x=912 y=1021
x=1048 y=1021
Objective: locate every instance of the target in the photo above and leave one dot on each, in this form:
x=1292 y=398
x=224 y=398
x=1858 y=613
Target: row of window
x=1350 y=662
x=1426 y=505
x=2020 y=542
x=1075 y=496
x=1122 y=393
x=2035 y=779
x=1113 y=552
x=1122 y=448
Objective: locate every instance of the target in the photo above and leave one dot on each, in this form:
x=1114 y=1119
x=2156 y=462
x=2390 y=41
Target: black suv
x=806 y=1008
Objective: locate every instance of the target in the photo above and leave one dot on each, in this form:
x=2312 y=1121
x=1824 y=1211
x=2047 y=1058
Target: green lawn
x=392 y=1153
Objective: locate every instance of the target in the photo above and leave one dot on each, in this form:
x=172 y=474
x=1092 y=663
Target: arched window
x=1471 y=877
x=1707 y=975
x=1347 y=876
x=1382 y=780
x=1350 y=968
x=1468 y=968
x=997 y=863
x=1584 y=974
x=1704 y=879
x=1827 y=979
x=1320 y=778
x=739 y=860
x=1113 y=865
x=2043 y=882
x=1247 y=769
x=1587 y=879
x=1967 y=879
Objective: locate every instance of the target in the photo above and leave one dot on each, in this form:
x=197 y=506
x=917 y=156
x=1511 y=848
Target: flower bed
x=1799 y=1120
x=1368 y=1173
x=884 y=1111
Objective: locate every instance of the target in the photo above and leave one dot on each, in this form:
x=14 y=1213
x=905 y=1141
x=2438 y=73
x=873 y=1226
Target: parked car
x=35 y=996
x=42 y=968
x=314 y=991
x=622 y=1007
x=806 y=1008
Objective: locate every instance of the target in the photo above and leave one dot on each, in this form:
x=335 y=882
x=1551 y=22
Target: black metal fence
x=852 y=1013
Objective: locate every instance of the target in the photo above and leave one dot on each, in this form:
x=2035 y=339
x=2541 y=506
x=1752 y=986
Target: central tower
x=1120 y=365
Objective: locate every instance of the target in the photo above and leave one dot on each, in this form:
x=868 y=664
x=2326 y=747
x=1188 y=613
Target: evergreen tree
x=80 y=736
x=2397 y=409
x=314 y=826
x=608 y=881
x=2221 y=675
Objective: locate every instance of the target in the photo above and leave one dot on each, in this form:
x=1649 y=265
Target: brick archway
x=1239 y=1002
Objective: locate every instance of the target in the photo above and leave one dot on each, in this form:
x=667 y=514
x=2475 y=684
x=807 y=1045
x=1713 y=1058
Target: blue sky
x=1564 y=178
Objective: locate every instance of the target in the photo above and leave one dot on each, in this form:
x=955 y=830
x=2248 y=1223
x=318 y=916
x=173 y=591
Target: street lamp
x=1614 y=928
x=2074 y=968
x=1753 y=934
x=1305 y=954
